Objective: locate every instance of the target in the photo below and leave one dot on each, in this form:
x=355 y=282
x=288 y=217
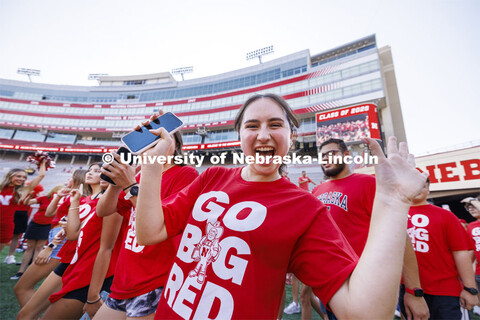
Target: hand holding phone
x=142 y=139
x=124 y=153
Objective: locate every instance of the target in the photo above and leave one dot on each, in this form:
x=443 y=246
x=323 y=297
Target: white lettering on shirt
x=418 y=234
x=476 y=238
x=212 y=292
x=209 y=253
x=131 y=239
x=237 y=272
x=5 y=200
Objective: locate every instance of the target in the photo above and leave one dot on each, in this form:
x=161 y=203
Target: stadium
x=78 y=124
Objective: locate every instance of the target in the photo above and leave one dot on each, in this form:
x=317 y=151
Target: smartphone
x=120 y=151
x=142 y=139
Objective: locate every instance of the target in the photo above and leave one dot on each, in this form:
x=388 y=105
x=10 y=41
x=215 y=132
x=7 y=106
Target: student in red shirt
x=240 y=234
x=442 y=247
x=141 y=271
x=37 y=230
x=48 y=259
x=87 y=228
x=349 y=197
x=472 y=205
x=303 y=181
x=12 y=192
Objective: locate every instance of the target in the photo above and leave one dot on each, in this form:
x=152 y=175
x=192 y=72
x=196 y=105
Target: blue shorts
x=330 y=314
x=140 y=306
x=51 y=235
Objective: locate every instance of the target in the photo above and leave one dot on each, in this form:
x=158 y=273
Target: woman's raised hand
x=396 y=175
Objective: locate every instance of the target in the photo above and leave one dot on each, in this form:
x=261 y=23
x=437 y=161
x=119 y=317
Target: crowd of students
x=167 y=243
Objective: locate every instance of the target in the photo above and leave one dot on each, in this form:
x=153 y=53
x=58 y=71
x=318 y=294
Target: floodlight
x=28 y=72
x=96 y=76
x=259 y=53
x=182 y=70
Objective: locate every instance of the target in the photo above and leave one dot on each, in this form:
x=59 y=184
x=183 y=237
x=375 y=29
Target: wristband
x=52 y=245
x=93 y=302
x=129 y=186
x=472 y=291
x=73 y=208
x=417 y=292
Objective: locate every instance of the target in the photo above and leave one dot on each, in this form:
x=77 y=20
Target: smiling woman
x=258 y=236
x=12 y=193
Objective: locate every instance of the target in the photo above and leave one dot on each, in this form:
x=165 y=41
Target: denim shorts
x=51 y=235
x=137 y=306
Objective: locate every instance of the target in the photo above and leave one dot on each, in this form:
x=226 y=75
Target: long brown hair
x=7 y=179
x=78 y=178
x=54 y=190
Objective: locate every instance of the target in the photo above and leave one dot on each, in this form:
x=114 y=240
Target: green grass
x=296 y=316
x=8 y=303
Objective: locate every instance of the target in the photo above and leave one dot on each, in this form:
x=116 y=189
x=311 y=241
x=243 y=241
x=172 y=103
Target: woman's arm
x=36 y=181
x=123 y=175
x=53 y=205
x=397 y=184
x=29 y=202
x=149 y=221
x=107 y=204
x=110 y=229
x=73 y=217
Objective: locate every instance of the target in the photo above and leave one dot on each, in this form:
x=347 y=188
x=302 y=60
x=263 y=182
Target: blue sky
x=435 y=45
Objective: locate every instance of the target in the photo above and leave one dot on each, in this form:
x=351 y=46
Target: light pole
x=182 y=70
x=96 y=76
x=28 y=72
x=259 y=53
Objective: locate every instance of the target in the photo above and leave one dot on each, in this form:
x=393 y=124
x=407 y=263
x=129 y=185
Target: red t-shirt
x=7 y=211
x=435 y=233
x=350 y=201
x=239 y=240
x=473 y=230
x=68 y=249
x=39 y=216
x=79 y=273
x=141 y=269
x=62 y=210
x=304 y=186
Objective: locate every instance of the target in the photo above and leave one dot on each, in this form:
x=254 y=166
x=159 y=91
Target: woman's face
x=18 y=179
x=93 y=175
x=265 y=131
